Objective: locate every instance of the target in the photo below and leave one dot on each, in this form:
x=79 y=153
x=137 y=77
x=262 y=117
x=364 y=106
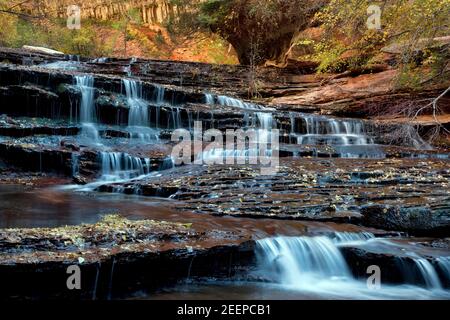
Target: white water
x=428 y=273
x=295 y=260
x=238 y=103
x=348 y=137
x=138 y=113
x=444 y=265
x=158 y=95
x=61 y=65
x=349 y=237
x=329 y=131
x=209 y=98
x=121 y=166
x=87 y=108
x=90 y=131
x=75 y=164
x=314 y=266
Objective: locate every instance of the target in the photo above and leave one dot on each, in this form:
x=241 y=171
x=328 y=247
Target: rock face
x=364 y=95
x=315 y=188
x=116 y=256
x=319 y=190
x=419 y=220
x=152 y=11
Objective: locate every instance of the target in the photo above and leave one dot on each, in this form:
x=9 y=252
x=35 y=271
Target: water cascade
x=444 y=265
x=329 y=131
x=87 y=108
x=428 y=273
x=345 y=237
x=308 y=263
x=233 y=102
x=138 y=114
x=121 y=166
x=209 y=98
x=295 y=260
x=159 y=94
x=348 y=137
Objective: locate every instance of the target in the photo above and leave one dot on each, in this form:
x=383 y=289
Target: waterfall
x=322 y=130
x=168 y=163
x=176 y=118
x=428 y=273
x=138 y=114
x=158 y=95
x=89 y=130
x=61 y=65
x=120 y=166
x=209 y=98
x=75 y=164
x=265 y=120
x=444 y=265
x=306 y=261
x=345 y=237
x=221 y=155
x=233 y=102
x=87 y=109
x=295 y=260
x=292 y=118
x=348 y=137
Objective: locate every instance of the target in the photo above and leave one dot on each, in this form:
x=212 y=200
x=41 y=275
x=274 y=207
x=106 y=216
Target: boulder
x=417 y=219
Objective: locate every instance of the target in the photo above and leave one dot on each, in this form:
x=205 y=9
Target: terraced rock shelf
x=88 y=178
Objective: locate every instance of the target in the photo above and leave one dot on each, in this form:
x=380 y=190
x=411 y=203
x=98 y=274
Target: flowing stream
x=130 y=142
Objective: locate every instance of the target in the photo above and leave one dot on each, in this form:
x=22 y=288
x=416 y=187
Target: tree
x=260 y=31
x=407 y=26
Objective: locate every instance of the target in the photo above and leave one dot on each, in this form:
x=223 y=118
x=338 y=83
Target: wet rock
x=70 y=145
x=418 y=220
x=80 y=180
x=36 y=158
x=116 y=256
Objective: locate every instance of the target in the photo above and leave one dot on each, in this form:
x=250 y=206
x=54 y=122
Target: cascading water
x=346 y=237
x=428 y=273
x=159 y=94
x=209 y=98
x=122 y=166
x=316 y=265
x=347 y=136
x=75 y=164
x=323 y=130
x=174 y=121
x=248 y=152
x=233 y=102
x=138 y=114
x=444 y=264
x=87 y=108
x=90 y=131
x=297 y=260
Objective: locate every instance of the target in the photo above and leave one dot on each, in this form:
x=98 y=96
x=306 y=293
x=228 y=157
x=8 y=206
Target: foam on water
x=138 y=114
x=316 y=266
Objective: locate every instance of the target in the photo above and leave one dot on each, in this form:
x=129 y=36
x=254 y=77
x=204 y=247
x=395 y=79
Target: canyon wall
x=151 y=11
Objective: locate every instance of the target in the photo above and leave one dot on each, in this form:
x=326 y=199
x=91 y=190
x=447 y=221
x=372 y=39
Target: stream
x=105 y=139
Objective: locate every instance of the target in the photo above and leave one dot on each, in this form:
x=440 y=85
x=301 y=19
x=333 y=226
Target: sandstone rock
x=419 y=220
